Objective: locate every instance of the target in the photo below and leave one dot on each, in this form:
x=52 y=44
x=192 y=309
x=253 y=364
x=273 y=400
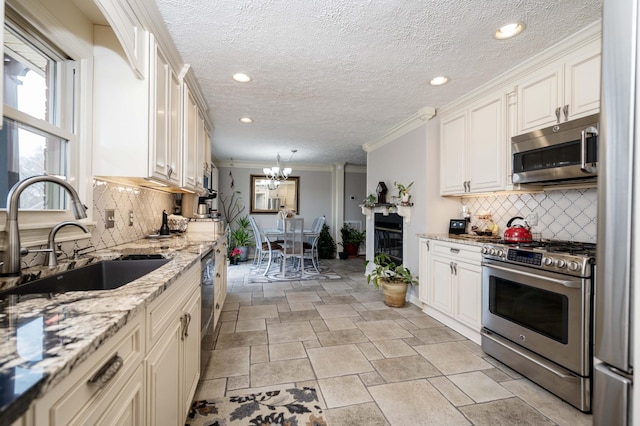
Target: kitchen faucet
x=11 y=265
x=53 y=258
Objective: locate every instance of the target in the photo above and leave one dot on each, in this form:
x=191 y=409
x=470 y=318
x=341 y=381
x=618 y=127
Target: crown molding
x=413 y=122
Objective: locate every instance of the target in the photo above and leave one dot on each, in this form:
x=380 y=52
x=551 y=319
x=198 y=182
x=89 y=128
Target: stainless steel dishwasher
x=207 y=308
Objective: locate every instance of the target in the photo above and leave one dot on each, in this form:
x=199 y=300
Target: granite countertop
x=469 y=239
x=43 y=338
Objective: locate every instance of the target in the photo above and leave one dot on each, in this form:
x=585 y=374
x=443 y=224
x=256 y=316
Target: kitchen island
x=46 y=338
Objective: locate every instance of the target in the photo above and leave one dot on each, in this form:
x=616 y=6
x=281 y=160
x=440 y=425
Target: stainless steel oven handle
x=583 y=149
x=570 y=284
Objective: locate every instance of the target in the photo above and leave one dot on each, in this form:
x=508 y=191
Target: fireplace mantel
x=385 y=209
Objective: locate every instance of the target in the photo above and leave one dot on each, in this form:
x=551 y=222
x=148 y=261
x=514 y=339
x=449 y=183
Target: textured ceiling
x=329 y=76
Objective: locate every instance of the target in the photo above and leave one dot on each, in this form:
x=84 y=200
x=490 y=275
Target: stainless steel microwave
x=561 y=153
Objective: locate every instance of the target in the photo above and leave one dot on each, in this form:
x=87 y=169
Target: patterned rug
x=275 y=274
x=285 y=407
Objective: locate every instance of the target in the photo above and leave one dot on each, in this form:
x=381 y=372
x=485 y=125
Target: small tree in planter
x=326 y=245
x=393 y=278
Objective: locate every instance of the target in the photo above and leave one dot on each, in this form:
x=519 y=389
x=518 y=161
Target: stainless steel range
x=537 y=309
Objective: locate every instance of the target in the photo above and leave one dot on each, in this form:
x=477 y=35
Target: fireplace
x=388 y=236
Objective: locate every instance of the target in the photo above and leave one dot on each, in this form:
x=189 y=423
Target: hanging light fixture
x=277 y=173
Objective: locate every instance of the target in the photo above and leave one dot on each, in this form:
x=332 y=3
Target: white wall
x=355 y=191
x=413 y=157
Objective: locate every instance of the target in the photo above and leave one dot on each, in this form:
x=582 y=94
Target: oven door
x=547 y=313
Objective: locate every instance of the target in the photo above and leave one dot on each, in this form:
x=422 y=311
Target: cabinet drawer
x=162 y=311
x=457 y=251
x=68 y=402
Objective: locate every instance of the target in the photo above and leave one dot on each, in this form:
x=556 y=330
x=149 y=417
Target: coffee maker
x=197 y=206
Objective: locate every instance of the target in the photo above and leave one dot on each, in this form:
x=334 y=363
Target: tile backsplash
x=147 y=206
x=562 y=214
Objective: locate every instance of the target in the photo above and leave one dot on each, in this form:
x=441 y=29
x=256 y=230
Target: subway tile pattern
x=562 y=214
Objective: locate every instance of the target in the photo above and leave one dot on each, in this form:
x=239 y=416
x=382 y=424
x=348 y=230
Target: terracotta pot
x=351 y=249
x=395 y=294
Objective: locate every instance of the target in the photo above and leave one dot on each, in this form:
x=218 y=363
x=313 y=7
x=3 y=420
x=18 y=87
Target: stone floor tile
x=238 y=382
x=406 y=324
x=361 y=414
x=259 y=353
x=307 y=315
x=228 y=316
x=505 y=412
x=246 y=338
x=335 y=361
x=437 y=335
x=394 y=348
x=345 y=390
x=398 y=403
x=303 y=296
x=339 y=323
x=378 y=305
x=453 y=394
x=379 y=315
x=383 y=330
x=545 y=402
x=404 y=368
x=371 y=379
x=277 y=372
x=452 y=358
x=473 y=347
x=227 y=363
x=273 y=293
x=290 y=332
x=283 y=307
x=283 y=351
x=497 y=375
x=310 y=344
x=210 y=389
x=319 y=325
x=230 y=306
x=424 y=321
x=341 y=337
x=413 y=341
x=250 y=325
x=370 y=351
x=301 y=306
x=227 y=326
x=257 y=312
x=479 y=387
x=336 y=311
x=358 y=307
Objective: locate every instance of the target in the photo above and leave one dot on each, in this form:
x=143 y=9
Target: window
x=39 y=87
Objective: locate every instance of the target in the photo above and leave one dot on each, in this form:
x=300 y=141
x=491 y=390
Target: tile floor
x=372 y=365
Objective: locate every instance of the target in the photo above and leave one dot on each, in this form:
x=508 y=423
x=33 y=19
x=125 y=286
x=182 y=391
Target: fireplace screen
x=388 y=236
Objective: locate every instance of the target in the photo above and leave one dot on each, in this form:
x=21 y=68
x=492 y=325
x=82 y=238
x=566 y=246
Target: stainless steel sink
x=103 y=275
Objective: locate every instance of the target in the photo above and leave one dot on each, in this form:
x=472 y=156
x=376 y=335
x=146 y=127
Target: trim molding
x=413 y=122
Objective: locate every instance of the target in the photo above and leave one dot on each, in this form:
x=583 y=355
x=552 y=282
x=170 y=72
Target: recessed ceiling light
x=242 y=78
x=439 y=81
x=246 y=120
x=509 y=30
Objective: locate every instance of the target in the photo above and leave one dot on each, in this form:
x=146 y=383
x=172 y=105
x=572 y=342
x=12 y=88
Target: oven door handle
x=566 y=283
x=583 y=149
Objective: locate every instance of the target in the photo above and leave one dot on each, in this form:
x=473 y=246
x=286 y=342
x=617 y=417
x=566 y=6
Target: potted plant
x=234 y=255
x=393 y=278
x=403 y=192
x=241 y=236
x=351 y=239
x=326 y=245
x=371 y=200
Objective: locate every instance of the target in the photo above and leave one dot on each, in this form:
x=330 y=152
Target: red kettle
x=517 y=233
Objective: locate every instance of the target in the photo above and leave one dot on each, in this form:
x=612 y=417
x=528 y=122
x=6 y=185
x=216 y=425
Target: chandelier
x=277 y=173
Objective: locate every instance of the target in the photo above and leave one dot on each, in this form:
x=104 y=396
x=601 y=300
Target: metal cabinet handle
x=583 y=149
x=451 y=267
x=454 y=250
x=565 y=110
x=217 y=306
x=558 y=114
x=455 y=268
x=428 y=245
x=185 y=320
x=107 y=372
x=468 y=186
x=169 y=172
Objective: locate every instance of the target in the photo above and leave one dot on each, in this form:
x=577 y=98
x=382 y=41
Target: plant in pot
x=371 y=200
x=403 y=192
x=326 y=245
x=241 y=237
x=234 y=255
x=351 y=239
x=393 y=278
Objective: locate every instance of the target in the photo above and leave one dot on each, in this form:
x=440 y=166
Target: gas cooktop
x=567 y=257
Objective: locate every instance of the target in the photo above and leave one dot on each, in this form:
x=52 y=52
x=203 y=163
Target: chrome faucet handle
x=78 y=251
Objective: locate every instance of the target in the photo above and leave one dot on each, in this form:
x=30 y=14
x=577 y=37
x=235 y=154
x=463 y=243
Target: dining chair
x=264 y=247
x=292 y=248
x=311 y=242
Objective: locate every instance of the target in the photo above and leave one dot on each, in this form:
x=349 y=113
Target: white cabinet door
x=190 y=135
x=582 y=81
x=539 y=98
x=174 y=162
x=160 y=116
x=202 y=163
x=453 y=141
x=191 y=352
x=441 y=288
x=220 y=281
x=163 y=373
x=485 y=152
x=468 y=294
x=423 y=273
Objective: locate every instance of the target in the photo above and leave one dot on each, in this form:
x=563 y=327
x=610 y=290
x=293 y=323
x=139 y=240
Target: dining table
x=289 y=270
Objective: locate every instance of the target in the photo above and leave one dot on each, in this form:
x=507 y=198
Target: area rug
x=286 y=407
x=275 y=274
